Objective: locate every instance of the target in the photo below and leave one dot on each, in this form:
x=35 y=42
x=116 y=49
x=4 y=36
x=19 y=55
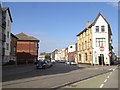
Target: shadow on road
x=22 y=72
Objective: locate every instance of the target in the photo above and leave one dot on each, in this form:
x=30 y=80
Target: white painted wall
x=73 y=49
x=96 y=50
x=60 y=55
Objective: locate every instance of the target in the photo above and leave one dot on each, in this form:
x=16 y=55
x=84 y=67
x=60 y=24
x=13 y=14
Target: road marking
x=113 y=69
x=101 y=85
x=108 y=76
x=105 y=80
x=110 y=73
x=110 y=69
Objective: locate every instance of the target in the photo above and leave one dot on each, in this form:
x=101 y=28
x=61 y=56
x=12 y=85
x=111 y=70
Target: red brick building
x=27 y=48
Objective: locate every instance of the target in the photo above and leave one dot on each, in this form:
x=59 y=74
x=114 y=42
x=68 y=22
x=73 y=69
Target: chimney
x=87 y=24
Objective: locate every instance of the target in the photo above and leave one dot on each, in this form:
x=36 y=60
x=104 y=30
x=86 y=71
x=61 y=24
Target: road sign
x=109 y=54
x=101 y=48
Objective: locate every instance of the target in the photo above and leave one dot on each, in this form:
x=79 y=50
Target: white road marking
x=110 y=69
x=108 y=76
x=113 y=69
x=101 y=85
x=105 y=80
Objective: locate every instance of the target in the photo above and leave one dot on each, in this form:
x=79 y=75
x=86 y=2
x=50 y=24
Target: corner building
x=91 y=39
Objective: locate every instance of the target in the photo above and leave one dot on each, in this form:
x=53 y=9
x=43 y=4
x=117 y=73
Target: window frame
x=97 y=29
x=102 y=28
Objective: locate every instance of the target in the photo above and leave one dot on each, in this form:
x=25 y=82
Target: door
x=101 y=59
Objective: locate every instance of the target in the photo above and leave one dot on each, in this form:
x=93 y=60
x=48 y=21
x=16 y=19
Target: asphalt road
x=57 y=76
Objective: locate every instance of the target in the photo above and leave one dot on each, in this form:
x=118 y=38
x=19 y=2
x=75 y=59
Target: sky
x=56 y=24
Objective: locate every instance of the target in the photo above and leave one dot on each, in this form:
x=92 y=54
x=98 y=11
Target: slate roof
x=5 y=9
x=94 y=24
x=23 y=36
x=13 y=36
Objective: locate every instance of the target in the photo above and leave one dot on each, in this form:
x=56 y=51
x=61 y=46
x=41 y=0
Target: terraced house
x=95 y=35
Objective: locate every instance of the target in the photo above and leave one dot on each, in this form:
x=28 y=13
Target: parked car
x=67 y=62
x=53 y=61
x=115 y=62
x=71 y=62
x=61 y=61
x=43 y=64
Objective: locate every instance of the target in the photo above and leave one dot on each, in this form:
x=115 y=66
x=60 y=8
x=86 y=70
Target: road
x=107 y=80
x=57 y=76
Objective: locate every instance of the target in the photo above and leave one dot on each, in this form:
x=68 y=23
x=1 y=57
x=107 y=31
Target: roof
x=5 y=9
x=23 y=36
x=94 y=24
x=13 y=36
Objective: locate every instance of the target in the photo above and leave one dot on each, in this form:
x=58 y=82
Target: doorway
x=101 y=59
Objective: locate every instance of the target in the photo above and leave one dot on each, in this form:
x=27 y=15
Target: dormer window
x=102 y=28
x=97 y=28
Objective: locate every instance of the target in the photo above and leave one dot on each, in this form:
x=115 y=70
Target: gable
x=101 y=20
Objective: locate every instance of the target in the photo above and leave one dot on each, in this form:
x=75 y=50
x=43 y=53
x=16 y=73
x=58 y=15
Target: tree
x=47 y=56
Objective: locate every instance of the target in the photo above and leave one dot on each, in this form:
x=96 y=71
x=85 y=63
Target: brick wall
x=27 y=50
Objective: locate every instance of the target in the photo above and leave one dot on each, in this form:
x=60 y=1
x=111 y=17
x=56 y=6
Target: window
x=102 y=29
x=100 y=42
x=79 y=57
x=7 y=46
x=85 y=44
x=90 y=43
x=8 y=34
x=97 y=28
x=82 y=46
x=86 y=56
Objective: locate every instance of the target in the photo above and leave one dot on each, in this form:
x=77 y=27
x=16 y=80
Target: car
x=61 y=61
x=67 y=62
x=43 y=64
x=71 y=62
x=53 y=61
x=115 y=62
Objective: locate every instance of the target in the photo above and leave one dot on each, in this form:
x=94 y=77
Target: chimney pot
x=88 y=24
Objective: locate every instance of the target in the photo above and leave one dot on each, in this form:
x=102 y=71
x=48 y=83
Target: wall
x=96 y=50
x=8 y=39
x=27 y=50
x=71 y=48
x=13 y=48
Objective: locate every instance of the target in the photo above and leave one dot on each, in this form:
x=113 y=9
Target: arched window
x=86 y=56
x=79 y=57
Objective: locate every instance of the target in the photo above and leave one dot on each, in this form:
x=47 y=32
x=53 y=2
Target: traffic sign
x=101 y=48
x=109 y=54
